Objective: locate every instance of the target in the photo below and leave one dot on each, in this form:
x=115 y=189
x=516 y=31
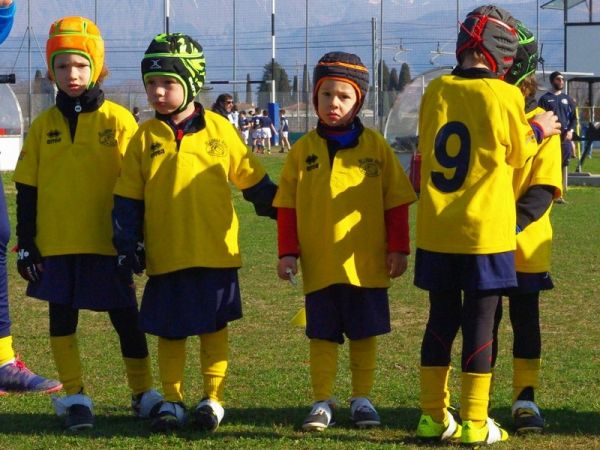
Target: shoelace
x=21 y=366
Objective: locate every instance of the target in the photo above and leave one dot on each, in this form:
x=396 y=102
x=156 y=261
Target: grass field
x=268 y=390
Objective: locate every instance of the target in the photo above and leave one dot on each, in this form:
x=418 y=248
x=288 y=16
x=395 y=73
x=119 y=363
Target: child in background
x=472 y=130
x=244 y=127
x=536 y=185
x=284 y=130
x=343 y=210
x=65 y=177
x=14 y=375
x=174 y=195
x=268 y=130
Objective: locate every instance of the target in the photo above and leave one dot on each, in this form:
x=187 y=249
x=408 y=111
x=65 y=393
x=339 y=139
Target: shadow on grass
x=284 y=423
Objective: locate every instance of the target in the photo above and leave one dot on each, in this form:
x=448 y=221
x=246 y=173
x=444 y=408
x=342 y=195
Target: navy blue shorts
x=567 y=152
x=340 y=309
x=529 y=283
x=190 y=302
x=83 y=282
x=470 y=273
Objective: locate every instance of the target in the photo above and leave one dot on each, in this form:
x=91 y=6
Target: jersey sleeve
x=288 y=182
x=547 y=166
x=245 y=169
x=397 y=187
x=522 y=143
x=128 y=128
x=26 y=171
x=131 y=181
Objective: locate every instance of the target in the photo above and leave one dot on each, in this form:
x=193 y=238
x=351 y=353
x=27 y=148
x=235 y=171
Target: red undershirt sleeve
x=287 y=232
x=396 y=225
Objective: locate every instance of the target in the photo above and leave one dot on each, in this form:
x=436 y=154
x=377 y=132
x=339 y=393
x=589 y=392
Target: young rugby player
x=343 y=210
x=535 y=185
x=174 y=195
x=65 y=177
x=472 y=130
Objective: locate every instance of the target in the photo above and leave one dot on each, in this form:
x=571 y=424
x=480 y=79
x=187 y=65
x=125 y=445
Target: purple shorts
x=190 y=302
x=83 y=282
x=340 y=309
x=470 y=273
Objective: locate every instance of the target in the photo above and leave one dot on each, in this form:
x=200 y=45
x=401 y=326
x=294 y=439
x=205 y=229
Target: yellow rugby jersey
x=75 y=180
x=534 y=243
x=471 y=131
x=340 y=209
x=189 y=217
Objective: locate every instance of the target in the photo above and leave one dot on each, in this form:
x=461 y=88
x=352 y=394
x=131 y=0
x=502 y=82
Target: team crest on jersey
x=108 y=138
x=53 y=137
x=370 y=167
x=156 y=149
x=216 y=147
x=312 y=162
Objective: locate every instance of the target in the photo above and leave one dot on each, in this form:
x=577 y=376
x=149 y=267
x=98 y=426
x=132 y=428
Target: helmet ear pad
x=491 y=31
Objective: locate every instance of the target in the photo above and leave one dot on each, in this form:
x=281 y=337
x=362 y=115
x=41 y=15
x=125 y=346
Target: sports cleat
x=15 y=377
x=490 y=433
x=363 y=413
x=208 y=415
x=320 y=417
x=527 y=417
x=76 y=410
x=146 y=404
x=429 y=429
x=170 y=417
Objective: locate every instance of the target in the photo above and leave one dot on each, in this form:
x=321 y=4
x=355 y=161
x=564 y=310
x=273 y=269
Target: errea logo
x=53 y=137
x=312 y=162
x=156 y=149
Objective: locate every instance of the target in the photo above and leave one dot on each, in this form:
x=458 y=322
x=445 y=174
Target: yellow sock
x=171 y=362
x=435 y=396
x=526 y=372
x=139 y=374
x=6 y=350
x=65 y=350
x=363 y=353
x=475 y=396
x=323 y=367
x=214 y=356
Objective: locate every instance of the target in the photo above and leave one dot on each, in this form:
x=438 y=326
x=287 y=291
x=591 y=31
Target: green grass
x=268 y=390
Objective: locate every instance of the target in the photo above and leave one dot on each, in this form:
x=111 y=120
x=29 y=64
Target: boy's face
x=72 y=73
x=336 y=101
x=165 y=94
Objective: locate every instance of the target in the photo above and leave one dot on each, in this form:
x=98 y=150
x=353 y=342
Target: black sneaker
x=170 y=417
x=208 y=415
x=527 y=417
x=320 y=417
x=79 y=417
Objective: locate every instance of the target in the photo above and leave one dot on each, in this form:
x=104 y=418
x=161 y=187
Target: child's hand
x=396 y=264
x=285 y=263
x=549 y=123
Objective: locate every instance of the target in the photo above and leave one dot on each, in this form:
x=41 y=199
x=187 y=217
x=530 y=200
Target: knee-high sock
x=475 y=396
x=363 y=353
x=526 y=373
x=65 y=350
x=139 y=374
x=7 y=353
x=171 y=362
x=323 y=367
x=214 y=357
x=435 y=396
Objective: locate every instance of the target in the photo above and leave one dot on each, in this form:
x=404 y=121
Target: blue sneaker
x=15 y=377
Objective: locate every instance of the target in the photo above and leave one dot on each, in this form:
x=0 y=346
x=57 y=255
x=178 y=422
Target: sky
x=412 y=30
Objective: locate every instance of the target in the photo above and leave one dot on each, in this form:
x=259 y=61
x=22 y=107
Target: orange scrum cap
x=76 y=35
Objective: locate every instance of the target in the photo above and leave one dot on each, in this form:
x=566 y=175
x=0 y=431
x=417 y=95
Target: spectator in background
x=223 y=105
x=563 y=105
x=234 y=116
x=284 y=128
x=244 y=126
x=268 y=130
